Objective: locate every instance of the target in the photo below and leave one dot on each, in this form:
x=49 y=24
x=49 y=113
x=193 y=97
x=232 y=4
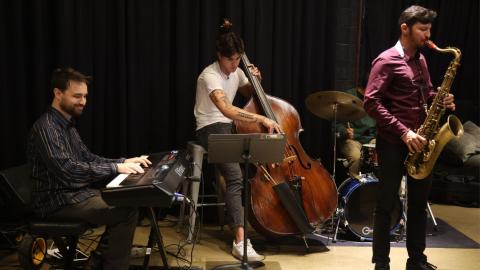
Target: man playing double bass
x=217 y=86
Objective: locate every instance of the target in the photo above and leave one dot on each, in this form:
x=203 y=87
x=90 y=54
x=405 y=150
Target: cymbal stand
x=403 y=193
x=335 y=109
x=340 y=217
x=435 y=225
x=339 y=211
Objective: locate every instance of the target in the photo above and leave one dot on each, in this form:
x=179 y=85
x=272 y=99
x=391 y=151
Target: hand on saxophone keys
x=414 y=142
x=448 y=101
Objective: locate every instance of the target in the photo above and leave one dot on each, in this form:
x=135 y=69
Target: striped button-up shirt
x=63 y=167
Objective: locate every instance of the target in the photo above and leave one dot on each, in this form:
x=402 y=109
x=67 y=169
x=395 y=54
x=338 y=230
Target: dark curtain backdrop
x=457 y=25
x=145 y=57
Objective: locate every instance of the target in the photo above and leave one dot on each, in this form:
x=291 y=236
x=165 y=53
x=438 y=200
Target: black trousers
x=231 y=172
x=120 y=222
x=391 y=159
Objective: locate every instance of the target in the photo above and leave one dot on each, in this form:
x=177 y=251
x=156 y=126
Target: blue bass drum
x=357 y=199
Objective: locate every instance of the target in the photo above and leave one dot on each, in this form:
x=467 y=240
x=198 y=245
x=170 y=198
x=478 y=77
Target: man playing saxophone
x=397 y=95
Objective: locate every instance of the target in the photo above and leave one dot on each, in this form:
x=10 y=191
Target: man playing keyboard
x=64 y=170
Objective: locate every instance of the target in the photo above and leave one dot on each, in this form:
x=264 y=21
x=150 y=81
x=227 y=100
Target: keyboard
x=153 y=188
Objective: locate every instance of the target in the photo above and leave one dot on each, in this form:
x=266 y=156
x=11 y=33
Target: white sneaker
x=252 y=255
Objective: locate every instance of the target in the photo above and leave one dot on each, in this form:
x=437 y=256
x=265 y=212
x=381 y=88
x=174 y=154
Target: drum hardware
x=339 y=214
x=430 y=213
x=404 y=197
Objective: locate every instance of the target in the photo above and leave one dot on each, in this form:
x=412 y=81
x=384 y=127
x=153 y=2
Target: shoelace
x=250 y=250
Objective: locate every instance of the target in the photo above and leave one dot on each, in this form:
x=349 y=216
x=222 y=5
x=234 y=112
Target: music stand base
x=240 y=265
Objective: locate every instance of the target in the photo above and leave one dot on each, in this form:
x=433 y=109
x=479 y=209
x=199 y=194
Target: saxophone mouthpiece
x=430 y=44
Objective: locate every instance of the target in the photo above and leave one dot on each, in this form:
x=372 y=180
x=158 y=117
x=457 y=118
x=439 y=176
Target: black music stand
x=245 y=148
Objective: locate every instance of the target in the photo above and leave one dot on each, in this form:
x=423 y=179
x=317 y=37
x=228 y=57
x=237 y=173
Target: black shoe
x=382 y=266
x=420 y=266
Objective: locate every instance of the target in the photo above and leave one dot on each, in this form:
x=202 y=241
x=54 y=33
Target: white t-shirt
x=212 y=78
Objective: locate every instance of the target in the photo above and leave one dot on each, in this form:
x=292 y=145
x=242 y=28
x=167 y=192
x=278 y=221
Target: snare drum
x=357 y=199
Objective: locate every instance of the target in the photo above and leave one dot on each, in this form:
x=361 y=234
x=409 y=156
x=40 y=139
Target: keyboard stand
x=155 y=235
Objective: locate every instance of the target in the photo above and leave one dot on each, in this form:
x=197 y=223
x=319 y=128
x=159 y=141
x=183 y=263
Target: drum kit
x=356 y=196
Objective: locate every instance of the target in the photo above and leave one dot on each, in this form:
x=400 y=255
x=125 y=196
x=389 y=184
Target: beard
x=419 y=43
x=415 y=40
x=72 y=109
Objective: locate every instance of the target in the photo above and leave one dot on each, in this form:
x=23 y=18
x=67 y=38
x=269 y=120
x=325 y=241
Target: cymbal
x=323 y=104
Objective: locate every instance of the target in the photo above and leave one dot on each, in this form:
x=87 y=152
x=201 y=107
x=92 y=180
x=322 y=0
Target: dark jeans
x=230 y=171
x=120 y=222
x=391 y=159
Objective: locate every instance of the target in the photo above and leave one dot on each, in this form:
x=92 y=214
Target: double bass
x=279 y=193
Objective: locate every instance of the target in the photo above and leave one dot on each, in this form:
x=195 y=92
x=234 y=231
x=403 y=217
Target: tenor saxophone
x=420 y=164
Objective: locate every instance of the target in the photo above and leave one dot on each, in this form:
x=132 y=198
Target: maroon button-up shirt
x=397 y=90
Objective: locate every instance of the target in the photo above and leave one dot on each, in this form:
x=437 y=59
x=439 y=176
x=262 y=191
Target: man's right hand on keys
x=129 y=168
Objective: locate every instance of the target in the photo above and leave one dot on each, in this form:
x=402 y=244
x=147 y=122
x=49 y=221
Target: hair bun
x=225 y=27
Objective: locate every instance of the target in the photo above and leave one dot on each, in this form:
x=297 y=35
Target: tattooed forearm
x=246 y=116
x=229 y=110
